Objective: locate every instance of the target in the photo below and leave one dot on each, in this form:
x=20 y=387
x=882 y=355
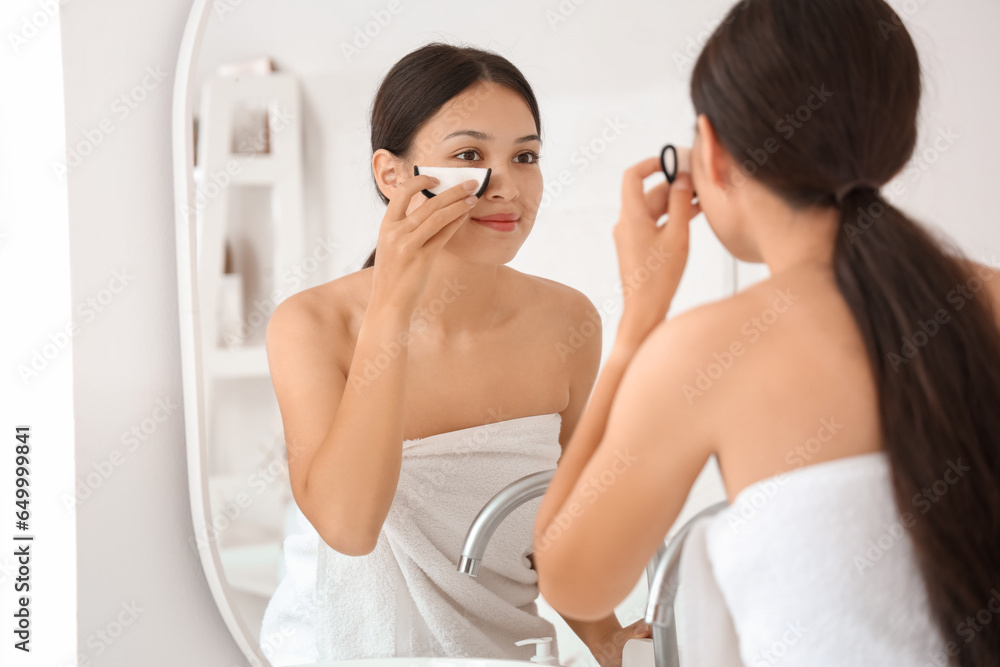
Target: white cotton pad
x=452 y=176
x=675 y=159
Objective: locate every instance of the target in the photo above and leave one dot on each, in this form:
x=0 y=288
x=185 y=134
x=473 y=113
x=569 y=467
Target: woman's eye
x=531 y=155
x=468 y=152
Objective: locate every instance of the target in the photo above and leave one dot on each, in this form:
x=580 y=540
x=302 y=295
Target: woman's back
x=813 y=558
x=802 y=390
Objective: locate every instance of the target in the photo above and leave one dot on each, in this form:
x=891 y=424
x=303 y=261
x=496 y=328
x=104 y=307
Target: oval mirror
x=274 y=194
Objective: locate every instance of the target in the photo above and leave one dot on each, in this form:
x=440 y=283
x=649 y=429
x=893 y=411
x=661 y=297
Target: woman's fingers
x=396 y=210
x=656 y=200
x=680 y=211
x=444 y=234
x=454 y=212
x=632 y=188
x=441 y=202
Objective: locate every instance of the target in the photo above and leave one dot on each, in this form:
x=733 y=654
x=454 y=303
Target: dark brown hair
x=422 y=82
x=847 y=73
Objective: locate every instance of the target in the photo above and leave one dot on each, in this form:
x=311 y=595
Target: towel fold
x=406 y=597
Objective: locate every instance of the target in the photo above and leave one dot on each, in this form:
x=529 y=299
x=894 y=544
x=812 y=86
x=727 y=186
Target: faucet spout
x=663 y=591
x=494 y=512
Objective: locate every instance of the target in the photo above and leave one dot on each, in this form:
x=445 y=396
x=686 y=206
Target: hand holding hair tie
x=651 y=256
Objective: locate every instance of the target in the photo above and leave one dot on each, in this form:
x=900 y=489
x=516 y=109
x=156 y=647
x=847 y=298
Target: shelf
x=236 y=362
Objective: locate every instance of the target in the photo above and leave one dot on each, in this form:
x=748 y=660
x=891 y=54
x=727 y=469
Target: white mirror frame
x=190 y=336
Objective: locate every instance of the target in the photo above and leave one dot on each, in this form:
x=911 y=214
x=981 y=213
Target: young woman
x=851 y=398
x=416 y=388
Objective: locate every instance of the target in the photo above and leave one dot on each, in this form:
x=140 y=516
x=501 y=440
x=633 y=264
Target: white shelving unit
x=219 y=176
x=271 y=159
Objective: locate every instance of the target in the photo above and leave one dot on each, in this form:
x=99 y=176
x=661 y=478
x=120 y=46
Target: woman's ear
x=388 y=172
x=714 y=158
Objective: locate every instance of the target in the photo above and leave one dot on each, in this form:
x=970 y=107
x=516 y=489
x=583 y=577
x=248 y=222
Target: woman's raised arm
x=344 y=431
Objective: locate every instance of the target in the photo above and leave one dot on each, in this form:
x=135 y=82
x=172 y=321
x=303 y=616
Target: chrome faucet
x=502 y=504
x=663 y=591
x=495 y=511
x=661 y=571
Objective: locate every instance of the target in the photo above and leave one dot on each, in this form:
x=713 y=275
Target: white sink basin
x=421 y=662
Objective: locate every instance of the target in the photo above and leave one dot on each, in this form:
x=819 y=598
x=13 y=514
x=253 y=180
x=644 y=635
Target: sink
x=421 y=662
x=638 y=652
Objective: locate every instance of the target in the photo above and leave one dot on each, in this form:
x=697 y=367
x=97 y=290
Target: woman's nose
x=501 y=185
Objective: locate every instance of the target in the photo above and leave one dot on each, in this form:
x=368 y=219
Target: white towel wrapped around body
x=286 y=635
x=407 y=597
x=813 y=567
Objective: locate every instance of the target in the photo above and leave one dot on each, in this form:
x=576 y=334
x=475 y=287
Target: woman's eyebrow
x=482 y=136
x=475 y=134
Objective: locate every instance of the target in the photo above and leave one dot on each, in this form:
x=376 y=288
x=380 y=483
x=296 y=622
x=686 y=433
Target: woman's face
x=487 y=125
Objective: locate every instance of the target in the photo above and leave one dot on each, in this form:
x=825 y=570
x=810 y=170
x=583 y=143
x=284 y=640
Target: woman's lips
x=502 y=222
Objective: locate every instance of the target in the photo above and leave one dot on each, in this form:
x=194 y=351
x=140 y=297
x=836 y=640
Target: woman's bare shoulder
x=552 y=297
x=330 y=309
x=761 y=328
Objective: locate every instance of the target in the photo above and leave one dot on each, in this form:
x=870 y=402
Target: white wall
x=37 y=342
x=134 y=531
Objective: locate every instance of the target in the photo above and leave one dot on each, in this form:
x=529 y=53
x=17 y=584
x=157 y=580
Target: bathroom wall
x=134 y=551
x=134 y=531
x=36 y=345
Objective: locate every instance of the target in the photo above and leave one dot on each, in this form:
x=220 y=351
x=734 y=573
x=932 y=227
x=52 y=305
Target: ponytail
x=931 y=336
x=371 y=260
